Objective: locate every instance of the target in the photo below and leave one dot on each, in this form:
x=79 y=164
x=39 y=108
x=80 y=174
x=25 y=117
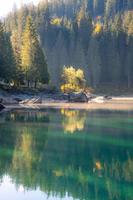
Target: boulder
x=17 y=99
x=78 y=97
x=101 y=99
x=1 y=106
x=98 y=99
x=60 y=97
x=90 y=96
x=107 y=97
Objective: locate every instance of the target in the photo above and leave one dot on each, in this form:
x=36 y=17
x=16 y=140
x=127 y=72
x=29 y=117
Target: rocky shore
x=73 y=100
x=79 y=97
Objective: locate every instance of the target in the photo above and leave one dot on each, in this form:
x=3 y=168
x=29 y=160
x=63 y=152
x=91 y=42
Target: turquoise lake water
x=60 y=154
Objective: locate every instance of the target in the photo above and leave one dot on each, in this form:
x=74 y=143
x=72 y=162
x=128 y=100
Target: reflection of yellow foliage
x=24 y=147
x=73 y=120
x=121 y=170
x=58 y=173
x=68 y=113
x=128 y=170
x=98 y=165
x=82 y=178
x=97 y=29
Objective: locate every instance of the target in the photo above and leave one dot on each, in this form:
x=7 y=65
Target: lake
x=60 y=154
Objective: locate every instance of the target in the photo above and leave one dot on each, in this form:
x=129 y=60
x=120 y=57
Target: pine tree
x=2 y=57
x=94 y=61
x=17 y=55
x=7 y=64
x=32 y=56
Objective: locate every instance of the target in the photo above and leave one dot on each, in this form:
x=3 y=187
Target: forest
x=95 y=36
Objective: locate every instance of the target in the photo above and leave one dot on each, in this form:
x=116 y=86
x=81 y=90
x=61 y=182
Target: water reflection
x=30 y=116
x=73 y=120
x=93 y=165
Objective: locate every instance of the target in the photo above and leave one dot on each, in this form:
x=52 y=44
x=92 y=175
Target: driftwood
x=37 y=100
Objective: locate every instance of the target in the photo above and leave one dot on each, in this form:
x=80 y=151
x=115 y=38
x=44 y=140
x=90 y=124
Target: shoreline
x=118 y=104
x=60 y=101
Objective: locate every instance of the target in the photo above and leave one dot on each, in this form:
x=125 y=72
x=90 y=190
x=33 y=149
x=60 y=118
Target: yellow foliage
x=98 y=165
x=80 y=15
x=58 y=173
x=98 y=29
x=69 y=88
x=73 y=79
x=56 y=21
x=128 y=23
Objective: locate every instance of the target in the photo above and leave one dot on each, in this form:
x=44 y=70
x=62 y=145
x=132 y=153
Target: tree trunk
x=28 y=83
x=128 y=80
x=35 y=84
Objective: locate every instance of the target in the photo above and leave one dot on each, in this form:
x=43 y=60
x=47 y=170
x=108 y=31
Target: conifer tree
x=32 y=56
x=7 y=64
x=15 y=40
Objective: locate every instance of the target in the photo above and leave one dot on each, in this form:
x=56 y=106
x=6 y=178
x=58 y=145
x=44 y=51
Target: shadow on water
x=88 y=155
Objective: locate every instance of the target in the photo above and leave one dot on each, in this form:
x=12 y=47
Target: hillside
x=94 y=35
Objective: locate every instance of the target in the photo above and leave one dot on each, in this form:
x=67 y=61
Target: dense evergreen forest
x=93 y=35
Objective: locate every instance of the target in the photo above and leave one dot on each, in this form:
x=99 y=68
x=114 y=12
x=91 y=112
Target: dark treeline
x=94 y=35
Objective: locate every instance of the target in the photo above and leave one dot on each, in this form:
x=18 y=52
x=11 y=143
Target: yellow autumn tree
x=97 y=28
x=56 y=21
x=73 y=79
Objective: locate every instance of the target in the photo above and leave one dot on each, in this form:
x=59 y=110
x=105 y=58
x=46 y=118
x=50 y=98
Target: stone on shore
x=79 y=97
x=8 y=100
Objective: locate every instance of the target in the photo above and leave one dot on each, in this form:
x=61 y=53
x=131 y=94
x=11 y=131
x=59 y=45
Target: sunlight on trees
x=33 y=61
x=128 y=23
x=73 y=80
x=56 y=21
x=97 y=29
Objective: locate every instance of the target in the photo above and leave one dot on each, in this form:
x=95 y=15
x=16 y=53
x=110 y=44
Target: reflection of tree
x=73 y=120
x=60 y=164
x=27 y=155
x=119 y=170
x=52 y=170
x=128 y=170
x=30 y=116
x=23 y=153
